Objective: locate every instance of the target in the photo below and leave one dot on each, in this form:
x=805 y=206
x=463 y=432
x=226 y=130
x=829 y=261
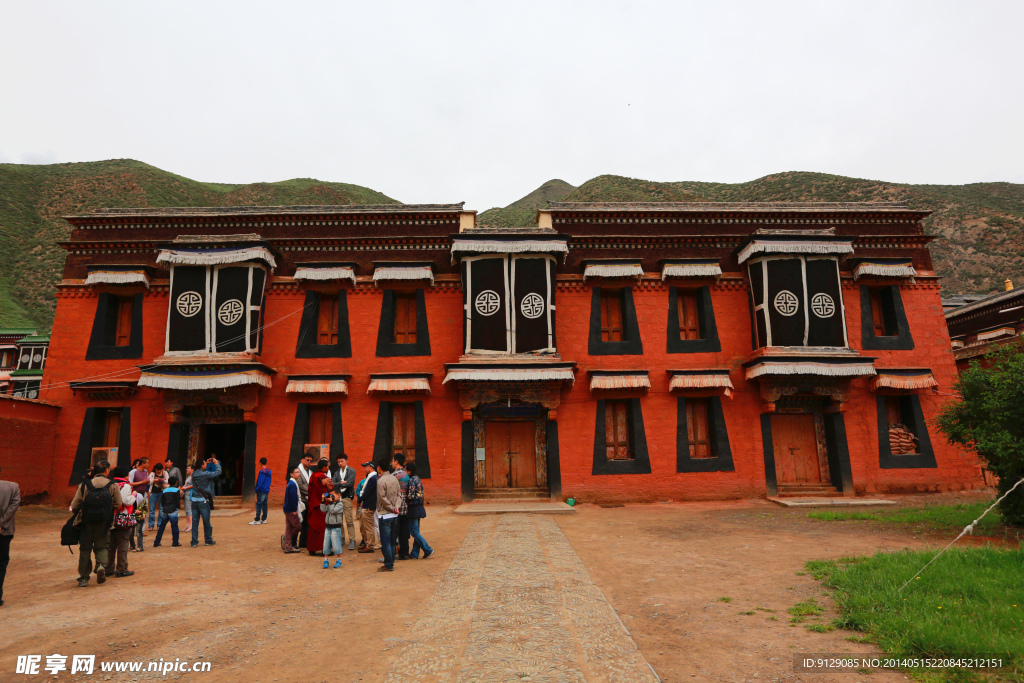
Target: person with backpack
x=94 y=504
x=123 y=529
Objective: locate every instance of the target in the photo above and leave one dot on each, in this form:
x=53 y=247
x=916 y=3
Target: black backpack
x=98 y=505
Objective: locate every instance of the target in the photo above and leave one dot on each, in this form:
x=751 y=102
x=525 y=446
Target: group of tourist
x=319 y=508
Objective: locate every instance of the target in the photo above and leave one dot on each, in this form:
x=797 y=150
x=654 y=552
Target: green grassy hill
x=33 y=199
x=979 y=228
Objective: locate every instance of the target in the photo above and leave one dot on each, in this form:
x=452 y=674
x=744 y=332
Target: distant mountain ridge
x=980 y=227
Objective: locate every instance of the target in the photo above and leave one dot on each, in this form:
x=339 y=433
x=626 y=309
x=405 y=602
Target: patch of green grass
x=725 y=599
x=969 y=601
x=806 y=608
x=801 y=573
x=764 y=609
x=773 y=618
x=938 y=516
x=859 y=639
x=820 y=628
x=748 y=612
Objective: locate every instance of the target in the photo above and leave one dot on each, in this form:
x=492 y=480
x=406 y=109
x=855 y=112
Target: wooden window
x=327 y=320
x=902 y=439
x=697 y=428
x=611 y=316
x=403 y=430
x=689 y=321
x=883 y=313
x=405 y=317
x=616 y=430
x=6 y=359
x=123 y=324
x=111 y=428
x=321 y=423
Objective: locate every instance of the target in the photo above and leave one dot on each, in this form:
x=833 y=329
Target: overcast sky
x=483 y=101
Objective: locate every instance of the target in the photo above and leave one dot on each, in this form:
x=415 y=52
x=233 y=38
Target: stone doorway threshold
x=829 y=502
x=499 y=507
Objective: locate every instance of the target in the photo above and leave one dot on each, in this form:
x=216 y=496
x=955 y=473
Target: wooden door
x=796 y=449
x=510 y=457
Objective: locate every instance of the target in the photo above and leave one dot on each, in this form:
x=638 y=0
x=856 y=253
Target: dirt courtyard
x=257 y=614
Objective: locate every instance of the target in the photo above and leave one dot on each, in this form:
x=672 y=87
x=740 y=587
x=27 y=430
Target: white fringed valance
x=510 y=247
x=884 y=270
x=671 y=270
x=399 y=385
x=117 y=277
x=386 y=273
x=710 y=380
x=215 y=257
x=317 y=386
x=923 y=380
x=508 y=375
x=607 y=382
x=997 y=334
x=812 y=368
x=310 y=273
x=794 y=247
x=613 y=270
x=200 y=382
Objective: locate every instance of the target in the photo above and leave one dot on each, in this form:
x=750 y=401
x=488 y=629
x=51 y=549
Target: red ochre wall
x=275 y=415
x=27 y=438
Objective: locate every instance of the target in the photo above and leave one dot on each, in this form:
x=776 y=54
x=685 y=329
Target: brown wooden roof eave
x=134 y=214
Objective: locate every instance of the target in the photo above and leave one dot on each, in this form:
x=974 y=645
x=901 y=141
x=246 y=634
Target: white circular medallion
x=38 y=357
x=786 y=303
x=25 y=358
x=822 y=305
x=33 y=393
x=487 y=302
x=532 y=305
x=230 y=311
x=189 y=303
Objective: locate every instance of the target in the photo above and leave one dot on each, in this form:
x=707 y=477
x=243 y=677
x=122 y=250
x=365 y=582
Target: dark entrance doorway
x=227 y=442
x=511 y=455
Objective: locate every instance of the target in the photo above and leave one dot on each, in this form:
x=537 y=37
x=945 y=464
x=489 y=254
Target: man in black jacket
x=345 y=484
x=367 y=506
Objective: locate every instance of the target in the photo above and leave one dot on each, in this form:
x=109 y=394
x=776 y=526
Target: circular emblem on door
x=25 y=358
x=487 y=302
x=38 y=357
x=229 y=312
x=532 y=305
x=786 y=303
x=189 y=303
x=822 y=305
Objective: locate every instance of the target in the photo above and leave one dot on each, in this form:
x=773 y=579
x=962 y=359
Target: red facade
x=491 y=357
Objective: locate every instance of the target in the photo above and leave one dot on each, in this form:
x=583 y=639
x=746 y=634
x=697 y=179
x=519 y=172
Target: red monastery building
x=617 y=352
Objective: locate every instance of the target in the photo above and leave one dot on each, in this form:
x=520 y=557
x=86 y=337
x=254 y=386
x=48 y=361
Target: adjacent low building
x=980 y=324
x=614 y=352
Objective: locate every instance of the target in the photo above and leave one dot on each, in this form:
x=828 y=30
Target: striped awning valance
x=180 y=256
x=601 y=381
x=117 y=277
x=782 y=246
x=810 y=367
x=194 y=379
x=694 y=268
x=509 y=374
x=697 y=380
x=612 y=270
x=998 y=333
x=399 y=384
x=386 y=273
x=312 y=273
x=903 y=379
x=885 y=268
x=317 y=385
x=524 y=246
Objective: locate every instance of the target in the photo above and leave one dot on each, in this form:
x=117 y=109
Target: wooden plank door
x=521 y=438
x=796 y=449
x=497 y=473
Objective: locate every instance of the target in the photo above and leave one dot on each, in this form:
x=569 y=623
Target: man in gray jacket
x=94 y=523
x=202 y=496
x=344 y=479
x=10 y=499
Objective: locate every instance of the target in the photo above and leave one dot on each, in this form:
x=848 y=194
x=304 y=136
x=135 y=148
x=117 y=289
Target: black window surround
x=910 y=409
x=386 y=346
x=721 y=460
x=705 y=318
x=100 y=346
x=92 y=431
x=306 y=347
x=902 y=340
x=383 y=437
x=300 y=433
x=632 y=344
x=640 y=463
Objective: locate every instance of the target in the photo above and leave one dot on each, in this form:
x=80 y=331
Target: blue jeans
x=201 y=509
x=139 y=528
x=154 y=509
x=332 y=541
x=418 y=541
x=261 y=505
x=388 y=534
x=173 y=519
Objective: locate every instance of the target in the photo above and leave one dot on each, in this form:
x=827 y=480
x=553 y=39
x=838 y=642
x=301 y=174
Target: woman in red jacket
x=319 y=484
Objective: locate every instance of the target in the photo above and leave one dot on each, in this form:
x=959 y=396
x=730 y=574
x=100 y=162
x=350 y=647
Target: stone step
x=511 y=494
x=228 y=502
x=792 y=491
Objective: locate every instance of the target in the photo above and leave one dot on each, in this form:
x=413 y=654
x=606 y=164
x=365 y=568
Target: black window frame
x=300 y=432
x=92 y=429
x=631 y=345
x=910 y=411
x=891 y=296
x=705 y=318
x=106 y=315
x=386 y=346
x=721 y=460
x=306 y=346
x=383 y=437
x=641 y=462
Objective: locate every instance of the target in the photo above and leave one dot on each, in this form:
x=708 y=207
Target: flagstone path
x=518 y=605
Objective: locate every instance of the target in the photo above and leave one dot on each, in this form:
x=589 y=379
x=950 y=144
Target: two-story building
x=615 y=352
